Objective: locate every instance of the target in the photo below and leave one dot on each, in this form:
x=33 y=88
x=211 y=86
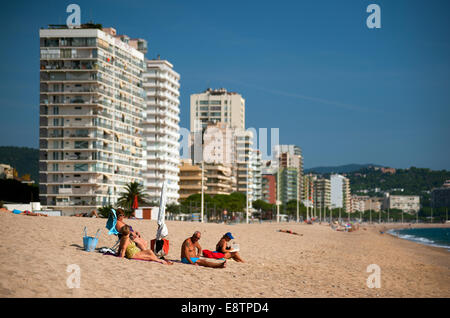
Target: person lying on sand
x=290 y=232
x=129 y=249
x=134 y=235
x=222 y=247
x=22 y=213
x=189 y=255
x=85 y=214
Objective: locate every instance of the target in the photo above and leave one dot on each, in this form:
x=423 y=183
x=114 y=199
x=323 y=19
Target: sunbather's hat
x=229 y=235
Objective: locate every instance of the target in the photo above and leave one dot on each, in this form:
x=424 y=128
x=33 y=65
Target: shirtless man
x=134 y=235
x=189 y=255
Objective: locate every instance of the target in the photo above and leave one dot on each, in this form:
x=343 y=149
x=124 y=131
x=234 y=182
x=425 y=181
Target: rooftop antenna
x=158 y=57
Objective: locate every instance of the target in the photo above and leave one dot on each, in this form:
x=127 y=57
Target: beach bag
x=160 y=247
x=89 y=242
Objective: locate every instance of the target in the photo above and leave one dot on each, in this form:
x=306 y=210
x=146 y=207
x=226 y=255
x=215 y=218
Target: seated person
x=222 y=247
x=85 y=214
x=134 y=235
x=189 y=255
x=129 y=249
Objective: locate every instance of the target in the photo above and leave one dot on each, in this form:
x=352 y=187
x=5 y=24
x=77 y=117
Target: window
x=81 y=144
x=204 y=102
x=81 y=167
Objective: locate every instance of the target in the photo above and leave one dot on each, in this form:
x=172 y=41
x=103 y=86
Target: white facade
x=161 y=130
x=91 y=106
x=217 y=105
x=256 y=174
x=337 y=191
x=407 y=203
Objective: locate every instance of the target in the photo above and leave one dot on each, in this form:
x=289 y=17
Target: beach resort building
x=290 y=169
x=340 y=192
x=219 y=178
x=361 y=203
x=91 y=109
x=440 y=197
x=406 y=203
x=322 y=193
x=217 y=105
x=308 y=193
x=244 y=167
x=161 y=130
x=218 y=128
x=269 y=188
x=190 y=179
x=257 y=174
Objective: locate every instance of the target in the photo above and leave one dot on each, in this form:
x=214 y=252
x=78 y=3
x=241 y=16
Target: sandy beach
x=36 y=251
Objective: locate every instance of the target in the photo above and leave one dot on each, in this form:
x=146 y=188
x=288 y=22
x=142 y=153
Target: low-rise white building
x=407 y=203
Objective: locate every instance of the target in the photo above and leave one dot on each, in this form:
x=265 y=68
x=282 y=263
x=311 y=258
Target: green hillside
x=413 y=180
x=340 y=169
x=24 y=160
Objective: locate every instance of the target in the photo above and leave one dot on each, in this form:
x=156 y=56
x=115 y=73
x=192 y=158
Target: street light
x=247 y=190
x=201 y=209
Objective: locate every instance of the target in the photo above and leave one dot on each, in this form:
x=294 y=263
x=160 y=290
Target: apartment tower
x=161 y=130
x=91 y=106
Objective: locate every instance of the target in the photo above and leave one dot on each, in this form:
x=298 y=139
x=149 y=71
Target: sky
x=342 y=92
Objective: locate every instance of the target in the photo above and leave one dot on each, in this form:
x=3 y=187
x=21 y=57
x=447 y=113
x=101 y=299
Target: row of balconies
x=149 y=76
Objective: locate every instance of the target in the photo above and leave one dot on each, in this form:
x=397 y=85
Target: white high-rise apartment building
x=217 y=105
x=257 y=174
x=91 y=106
x=340 y=192
x=244 y=163
x=161 y=130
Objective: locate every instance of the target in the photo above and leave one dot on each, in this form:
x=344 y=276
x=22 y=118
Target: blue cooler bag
x=89 y=242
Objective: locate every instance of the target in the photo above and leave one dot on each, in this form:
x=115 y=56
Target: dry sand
x=35 y=253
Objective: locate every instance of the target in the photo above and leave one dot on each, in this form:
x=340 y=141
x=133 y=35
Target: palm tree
x=132 y=189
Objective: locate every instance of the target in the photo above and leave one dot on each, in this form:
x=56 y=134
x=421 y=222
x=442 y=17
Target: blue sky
x=342 y=92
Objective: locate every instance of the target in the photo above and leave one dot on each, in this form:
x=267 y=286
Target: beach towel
x=210 y=254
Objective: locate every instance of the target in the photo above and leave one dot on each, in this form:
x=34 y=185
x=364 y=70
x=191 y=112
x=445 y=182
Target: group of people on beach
x=132 y=245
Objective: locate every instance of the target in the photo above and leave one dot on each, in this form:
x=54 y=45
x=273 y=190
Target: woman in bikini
x=128 y=249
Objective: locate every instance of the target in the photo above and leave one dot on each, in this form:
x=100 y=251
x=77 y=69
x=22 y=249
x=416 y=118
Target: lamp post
x=278 y=194
x=246 y=219
x=202 y=198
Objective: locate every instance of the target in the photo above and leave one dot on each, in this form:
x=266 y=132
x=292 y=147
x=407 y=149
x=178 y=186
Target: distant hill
x=340 y=169
x=24 y=160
